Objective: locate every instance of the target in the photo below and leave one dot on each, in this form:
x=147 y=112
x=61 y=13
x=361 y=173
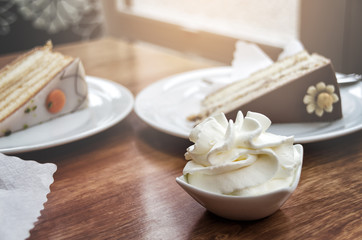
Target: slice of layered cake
x=298 y=88
x=38 y=86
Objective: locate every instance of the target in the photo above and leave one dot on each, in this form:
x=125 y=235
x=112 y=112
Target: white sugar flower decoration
x=320 y=98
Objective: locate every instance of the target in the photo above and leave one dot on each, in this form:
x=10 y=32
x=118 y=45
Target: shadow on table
x=219 y=228
x=160 y=141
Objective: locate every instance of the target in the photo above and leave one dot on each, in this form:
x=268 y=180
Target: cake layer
x=243 y=86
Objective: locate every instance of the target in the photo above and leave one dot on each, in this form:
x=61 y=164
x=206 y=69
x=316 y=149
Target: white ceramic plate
x=165 y=105
x=109 y=103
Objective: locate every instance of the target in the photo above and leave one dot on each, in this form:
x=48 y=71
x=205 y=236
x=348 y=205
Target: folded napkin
x=24 y=186
x=249 y=57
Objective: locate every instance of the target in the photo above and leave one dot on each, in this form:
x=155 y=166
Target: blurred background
x=203 y=28
x=28 y=23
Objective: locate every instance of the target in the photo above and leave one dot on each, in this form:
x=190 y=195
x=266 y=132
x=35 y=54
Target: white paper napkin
x=249 y=58
x=24 y=186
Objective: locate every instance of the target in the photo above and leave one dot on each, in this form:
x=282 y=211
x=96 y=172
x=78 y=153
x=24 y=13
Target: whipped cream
x=240 y=158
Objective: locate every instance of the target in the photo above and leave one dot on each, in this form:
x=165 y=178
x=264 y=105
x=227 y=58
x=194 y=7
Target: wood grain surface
x=120 y=183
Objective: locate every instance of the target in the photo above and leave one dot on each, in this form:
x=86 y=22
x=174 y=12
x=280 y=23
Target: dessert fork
x=348 y=78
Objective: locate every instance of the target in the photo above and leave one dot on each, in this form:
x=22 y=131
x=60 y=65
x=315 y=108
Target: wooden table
x=120 y=184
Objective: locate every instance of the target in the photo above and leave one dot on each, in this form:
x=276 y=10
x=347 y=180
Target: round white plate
x=165 y=105
x=109 y=103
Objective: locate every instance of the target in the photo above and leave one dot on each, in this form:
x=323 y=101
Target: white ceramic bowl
x=242 y=208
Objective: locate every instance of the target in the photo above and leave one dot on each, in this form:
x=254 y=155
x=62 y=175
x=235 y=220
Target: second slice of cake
x=299 y=88
x=38 y=86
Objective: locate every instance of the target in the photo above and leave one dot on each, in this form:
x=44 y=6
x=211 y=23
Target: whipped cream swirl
x=240 y=158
